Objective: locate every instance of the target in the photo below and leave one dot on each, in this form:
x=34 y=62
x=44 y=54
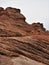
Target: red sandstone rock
x=5 y=60
x=17 y=38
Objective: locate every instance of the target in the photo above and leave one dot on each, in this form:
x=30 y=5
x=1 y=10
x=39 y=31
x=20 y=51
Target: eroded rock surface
x=21 y=43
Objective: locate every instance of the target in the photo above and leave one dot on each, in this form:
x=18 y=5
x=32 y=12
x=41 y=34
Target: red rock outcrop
x=19 y=39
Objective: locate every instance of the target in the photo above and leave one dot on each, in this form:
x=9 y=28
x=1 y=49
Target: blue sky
x=34 y=10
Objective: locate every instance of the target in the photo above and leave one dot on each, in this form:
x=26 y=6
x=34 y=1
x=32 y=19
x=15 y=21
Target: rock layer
x=17 y=38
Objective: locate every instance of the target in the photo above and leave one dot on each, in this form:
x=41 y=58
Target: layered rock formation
x=21 y=43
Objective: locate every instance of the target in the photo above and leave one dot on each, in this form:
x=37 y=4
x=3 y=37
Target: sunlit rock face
x=21 y=43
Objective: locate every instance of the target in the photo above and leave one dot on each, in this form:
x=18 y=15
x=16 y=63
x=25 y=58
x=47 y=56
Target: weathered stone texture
x=21 y=43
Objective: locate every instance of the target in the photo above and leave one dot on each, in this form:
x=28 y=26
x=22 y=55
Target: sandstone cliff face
x=21 y=43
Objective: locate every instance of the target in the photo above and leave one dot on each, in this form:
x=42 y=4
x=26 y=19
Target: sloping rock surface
x=21 y=43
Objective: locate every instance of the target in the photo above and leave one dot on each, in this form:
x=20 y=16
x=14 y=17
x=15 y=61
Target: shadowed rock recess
x=21 y=43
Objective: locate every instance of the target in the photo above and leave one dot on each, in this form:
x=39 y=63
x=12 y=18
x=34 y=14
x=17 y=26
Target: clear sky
x=34 y=10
